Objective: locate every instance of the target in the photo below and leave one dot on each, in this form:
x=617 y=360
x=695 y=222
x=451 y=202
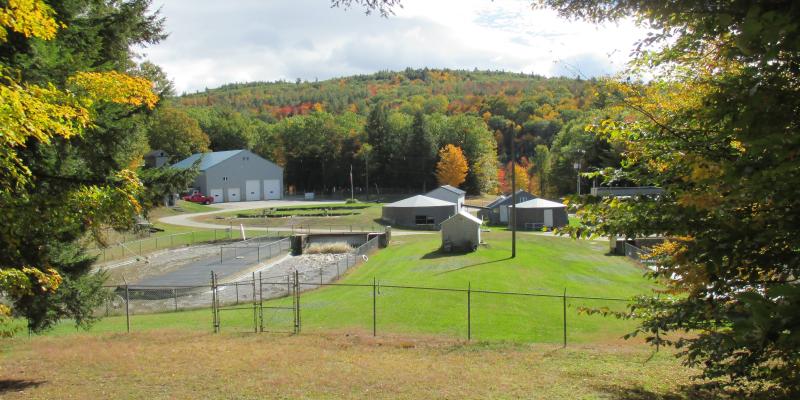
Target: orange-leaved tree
x=452 y=167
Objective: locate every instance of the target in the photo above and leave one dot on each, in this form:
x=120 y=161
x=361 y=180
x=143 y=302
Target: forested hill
x=427 y=90
x=392 y=124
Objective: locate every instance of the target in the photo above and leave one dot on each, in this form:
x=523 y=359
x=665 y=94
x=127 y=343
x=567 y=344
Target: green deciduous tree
x=174 y=131
x=717 y=129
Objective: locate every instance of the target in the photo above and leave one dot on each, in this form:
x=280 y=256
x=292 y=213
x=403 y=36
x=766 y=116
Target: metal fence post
x=374 y=308
x=564 y=302
x=156 y=242
x=469 y=311
x=297 y=293
x=175 y=297
x=127 y=309
x=320 y=277
x=213 y=302
x=236 y=285
x=260 y=303
x=255 y=307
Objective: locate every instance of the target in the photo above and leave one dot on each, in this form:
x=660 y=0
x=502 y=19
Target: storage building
x=538 y=213
x=418 y=212
x=448 y=193
x=236 y=175
x=461 y=232
x=496 y=212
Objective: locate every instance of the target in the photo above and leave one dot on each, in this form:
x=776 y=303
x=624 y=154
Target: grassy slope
x=545 y=264
x=170 y=364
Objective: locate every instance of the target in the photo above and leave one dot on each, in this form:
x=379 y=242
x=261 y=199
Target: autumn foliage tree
x=66 y=168
x=716 y=126
x=452 y=166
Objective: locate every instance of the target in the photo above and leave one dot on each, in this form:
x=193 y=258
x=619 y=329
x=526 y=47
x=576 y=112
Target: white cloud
x=212 y=43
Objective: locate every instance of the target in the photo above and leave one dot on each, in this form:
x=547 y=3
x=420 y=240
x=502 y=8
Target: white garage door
x=503 y=213
x=217 y=195
x=272 y=189
x=252 y=190
x=234 y=195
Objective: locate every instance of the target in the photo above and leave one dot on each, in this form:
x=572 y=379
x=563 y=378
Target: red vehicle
x=197 y=197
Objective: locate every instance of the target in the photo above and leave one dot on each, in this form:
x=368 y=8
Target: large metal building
x=539 y=213
x=461 y=232
x=418 y=212
x=236 y=175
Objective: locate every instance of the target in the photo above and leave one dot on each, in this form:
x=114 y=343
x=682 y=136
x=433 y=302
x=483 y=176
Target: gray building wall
x=235 y=171
x=446 y=195
x=406 y=216
x=536 y=216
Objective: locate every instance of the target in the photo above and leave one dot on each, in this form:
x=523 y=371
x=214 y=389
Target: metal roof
x=209 y=159
x=540 y=203
x=467 y=216
x=420 y=201
x=451 y=189
x=507 y=199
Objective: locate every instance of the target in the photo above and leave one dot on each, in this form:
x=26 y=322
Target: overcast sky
x=214 y=42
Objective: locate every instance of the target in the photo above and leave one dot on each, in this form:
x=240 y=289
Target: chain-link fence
x=312 y=299
x=640 y=255
x=252 y=251
x=138 y=247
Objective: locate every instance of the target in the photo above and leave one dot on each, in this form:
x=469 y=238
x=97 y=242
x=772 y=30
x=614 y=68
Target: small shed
x=496 y=212
x=461 y=232
x=418 y=212
x=538 y=213
x=448 y=193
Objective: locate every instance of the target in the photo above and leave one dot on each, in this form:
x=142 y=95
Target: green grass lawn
x=365 y=215
x=544 y=265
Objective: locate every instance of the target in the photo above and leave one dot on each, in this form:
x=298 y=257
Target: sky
x=214 y=42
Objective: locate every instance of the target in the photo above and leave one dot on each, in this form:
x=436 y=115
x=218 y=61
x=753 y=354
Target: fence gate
x=259 y=304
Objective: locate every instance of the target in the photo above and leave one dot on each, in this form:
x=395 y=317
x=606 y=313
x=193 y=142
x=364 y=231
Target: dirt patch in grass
x=168 y=364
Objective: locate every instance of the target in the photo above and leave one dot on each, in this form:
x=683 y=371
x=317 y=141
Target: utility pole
x=513 y=199
x=352 y=195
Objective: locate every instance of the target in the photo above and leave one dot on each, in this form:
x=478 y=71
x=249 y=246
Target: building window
x=423 y=220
